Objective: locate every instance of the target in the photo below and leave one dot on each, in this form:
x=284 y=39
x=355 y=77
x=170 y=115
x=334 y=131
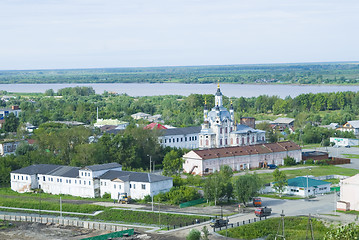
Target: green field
x=351 y=155
x=295 y=229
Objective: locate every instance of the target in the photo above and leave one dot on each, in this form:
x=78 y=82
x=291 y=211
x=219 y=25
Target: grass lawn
x=117 y=215
x=315 y=171
x=333 y=180
x=351 y=155
x=295 y=229
x=312 y=146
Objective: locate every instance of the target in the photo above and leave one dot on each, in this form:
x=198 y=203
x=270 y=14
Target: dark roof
x=181 y=131
x=133 y=176
x=37 y=169
x=314 y=153
x=65 y=171
x=247 y=150
x=105 y=166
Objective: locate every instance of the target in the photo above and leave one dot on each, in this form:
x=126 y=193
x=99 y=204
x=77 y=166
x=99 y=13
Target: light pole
x=150 y=161
x=307 y=192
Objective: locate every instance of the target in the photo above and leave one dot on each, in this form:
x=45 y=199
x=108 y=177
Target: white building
x=239 y=158
x=306 y=186
x=6 y=111
x=140 y=115
x=349 y=194
x=111 y=122
x=8 y=147
x=350 y=126
x=180 y=137
x=84 y=182
x=220 y=130
x=135 y=184
x=343 y=142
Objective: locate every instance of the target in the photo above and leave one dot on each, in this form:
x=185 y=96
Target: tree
x=246 y=187
x=347 y=232
x=11 y=123
x=289 y=161
x=172 y=163
x=213 y=188
x=280 y=181
x=225 y=175
x=194 y=234
x=205 y=233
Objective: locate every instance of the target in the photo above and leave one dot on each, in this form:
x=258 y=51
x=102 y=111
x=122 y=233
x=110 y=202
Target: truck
x=263 y=212
x=257 y=202
x=123 y=198
x=216 y=223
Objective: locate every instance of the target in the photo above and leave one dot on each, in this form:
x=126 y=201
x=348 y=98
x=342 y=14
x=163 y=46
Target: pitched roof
x=133 y=176
x=154 y=126
x=302 y=182
x=37 y=169
x=241 y=128
x=247 y=150
x=105 y=166
x=182 y=131
x=355 y=123
x=284 y=120
x=65 y=171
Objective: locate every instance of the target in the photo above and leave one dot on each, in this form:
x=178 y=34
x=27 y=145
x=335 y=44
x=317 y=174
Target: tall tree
x=246 y=187
x=11 y=123
x=280 y=181
x=172 y=163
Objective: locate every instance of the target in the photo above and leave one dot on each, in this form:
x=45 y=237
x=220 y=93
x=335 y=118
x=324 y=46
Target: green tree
x=205 y=233
x=246 y=187
x=11 y=123
x=172 y=163
x=213 y=187
x=194 y=234
x=280 y=181
x=225 y=175
x=289 y=161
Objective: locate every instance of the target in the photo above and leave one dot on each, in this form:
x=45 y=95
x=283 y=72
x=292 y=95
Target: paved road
x=271 y=170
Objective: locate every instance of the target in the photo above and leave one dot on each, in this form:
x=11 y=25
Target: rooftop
x=105 y=166
x=37 y=169
x=247 y=150
x=182 y=131
x=133 y=176
x=302 y=182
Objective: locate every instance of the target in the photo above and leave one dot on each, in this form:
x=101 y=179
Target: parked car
x=347 y=146
x=272 y=166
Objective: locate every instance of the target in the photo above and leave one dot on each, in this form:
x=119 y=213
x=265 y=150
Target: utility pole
x=152 y=201
x=335 y=202
x=159 y=212
x=281 y=222
x=150 y=161
x=311 y=229
x=60 y=207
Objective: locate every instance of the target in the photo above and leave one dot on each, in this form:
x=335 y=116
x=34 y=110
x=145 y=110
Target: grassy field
x=117 y=215
x=277 y=197
x=295 y=229
x=351 y=155
x=315 y=171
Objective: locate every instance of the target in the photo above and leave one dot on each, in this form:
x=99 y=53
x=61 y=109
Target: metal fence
x=237 y=224
x=192 y=203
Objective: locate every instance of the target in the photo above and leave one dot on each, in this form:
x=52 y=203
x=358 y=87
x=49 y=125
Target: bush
x=178 y=195
x=289 y=161
x=147 y=198
x=107 y=196
x=194 y=234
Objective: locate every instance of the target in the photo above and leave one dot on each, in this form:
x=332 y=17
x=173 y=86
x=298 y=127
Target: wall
x=349 y=192
x=19 y=182
x=189 y=144
x=65 y=222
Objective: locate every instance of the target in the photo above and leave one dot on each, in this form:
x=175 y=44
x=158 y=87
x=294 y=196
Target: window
x=57 y=180
x=75 y=181
x=220 y=130
x=67 y=181
x=48 y=179
x=14 y=177
x=22 y=177
x=79 y=181
x=70 y=181
x=130 y=185
x=101 y=183
x=165 y=140
x=51 y=179
x=195 y=138
x=114 y=186
x=26 y=177
x=143 y=186
x=177 y=139
x=82 y=173
x=181 y=139
x=43 y=178
x=85 y=174
x=84 y=182
x=119 y=186
x=185 y=139
x=60 y=179
x=105 y=183
x=134 y=186
x=89 y=182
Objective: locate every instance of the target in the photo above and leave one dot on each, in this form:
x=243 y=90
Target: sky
x=56 y=34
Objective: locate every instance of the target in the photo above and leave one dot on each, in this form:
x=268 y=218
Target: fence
x=192 y=203
x=199 y=220
x=123 y=233
x=65 y=222
x=237 y=224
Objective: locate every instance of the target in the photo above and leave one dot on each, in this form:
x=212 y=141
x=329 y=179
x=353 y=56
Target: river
x=149 y=89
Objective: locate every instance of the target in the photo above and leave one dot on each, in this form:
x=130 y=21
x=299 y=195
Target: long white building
x=91 y=181
x=239 y=158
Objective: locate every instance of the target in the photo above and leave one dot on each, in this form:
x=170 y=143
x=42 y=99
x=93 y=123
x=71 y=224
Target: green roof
x=302 y=182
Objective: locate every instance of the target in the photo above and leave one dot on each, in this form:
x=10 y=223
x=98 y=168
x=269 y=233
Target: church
x=219 y=128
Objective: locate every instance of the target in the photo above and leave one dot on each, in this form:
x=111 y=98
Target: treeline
x=303 y=73
x=80 y=104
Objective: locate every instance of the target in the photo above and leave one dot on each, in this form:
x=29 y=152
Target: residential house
x=6 y=111
x=350 y=126
x=306 y=186
x=8 y=146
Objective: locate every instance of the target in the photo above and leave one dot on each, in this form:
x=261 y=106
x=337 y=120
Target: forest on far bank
x=295 y=73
